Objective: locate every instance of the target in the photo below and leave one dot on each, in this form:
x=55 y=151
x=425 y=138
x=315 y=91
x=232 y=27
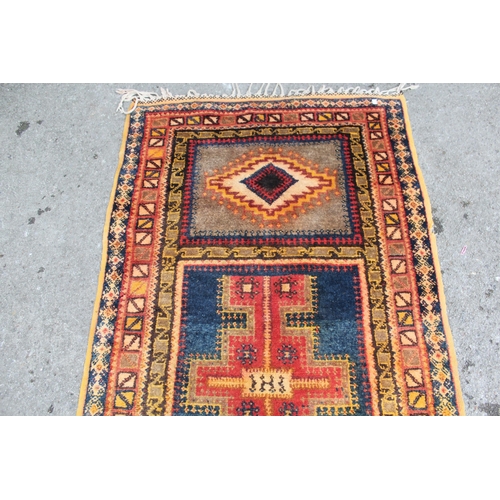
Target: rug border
x=435 y=258
x=100 y=282
x=427 y=207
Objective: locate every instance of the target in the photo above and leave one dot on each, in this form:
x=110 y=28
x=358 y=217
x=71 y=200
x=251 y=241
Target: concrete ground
x=59 y=153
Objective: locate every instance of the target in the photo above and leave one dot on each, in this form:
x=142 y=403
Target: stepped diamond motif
x=270 y=184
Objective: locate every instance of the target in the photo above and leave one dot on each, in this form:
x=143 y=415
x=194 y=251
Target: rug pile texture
x=270 y=256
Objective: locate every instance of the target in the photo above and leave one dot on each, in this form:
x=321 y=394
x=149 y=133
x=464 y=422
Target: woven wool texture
x=270 y=256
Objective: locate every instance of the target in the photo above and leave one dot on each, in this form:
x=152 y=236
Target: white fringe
x=137 y=96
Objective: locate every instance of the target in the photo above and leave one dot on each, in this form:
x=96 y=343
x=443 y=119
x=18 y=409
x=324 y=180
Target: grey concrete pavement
x=59 y=154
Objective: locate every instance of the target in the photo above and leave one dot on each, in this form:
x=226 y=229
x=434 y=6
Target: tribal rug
x=270 y=256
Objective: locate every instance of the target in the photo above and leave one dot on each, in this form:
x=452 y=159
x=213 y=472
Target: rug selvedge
x=379 y=347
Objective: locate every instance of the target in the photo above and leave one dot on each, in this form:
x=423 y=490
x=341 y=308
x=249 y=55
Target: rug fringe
x=137 y=96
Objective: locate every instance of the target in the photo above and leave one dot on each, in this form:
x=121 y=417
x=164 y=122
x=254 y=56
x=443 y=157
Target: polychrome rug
x=270 y=256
